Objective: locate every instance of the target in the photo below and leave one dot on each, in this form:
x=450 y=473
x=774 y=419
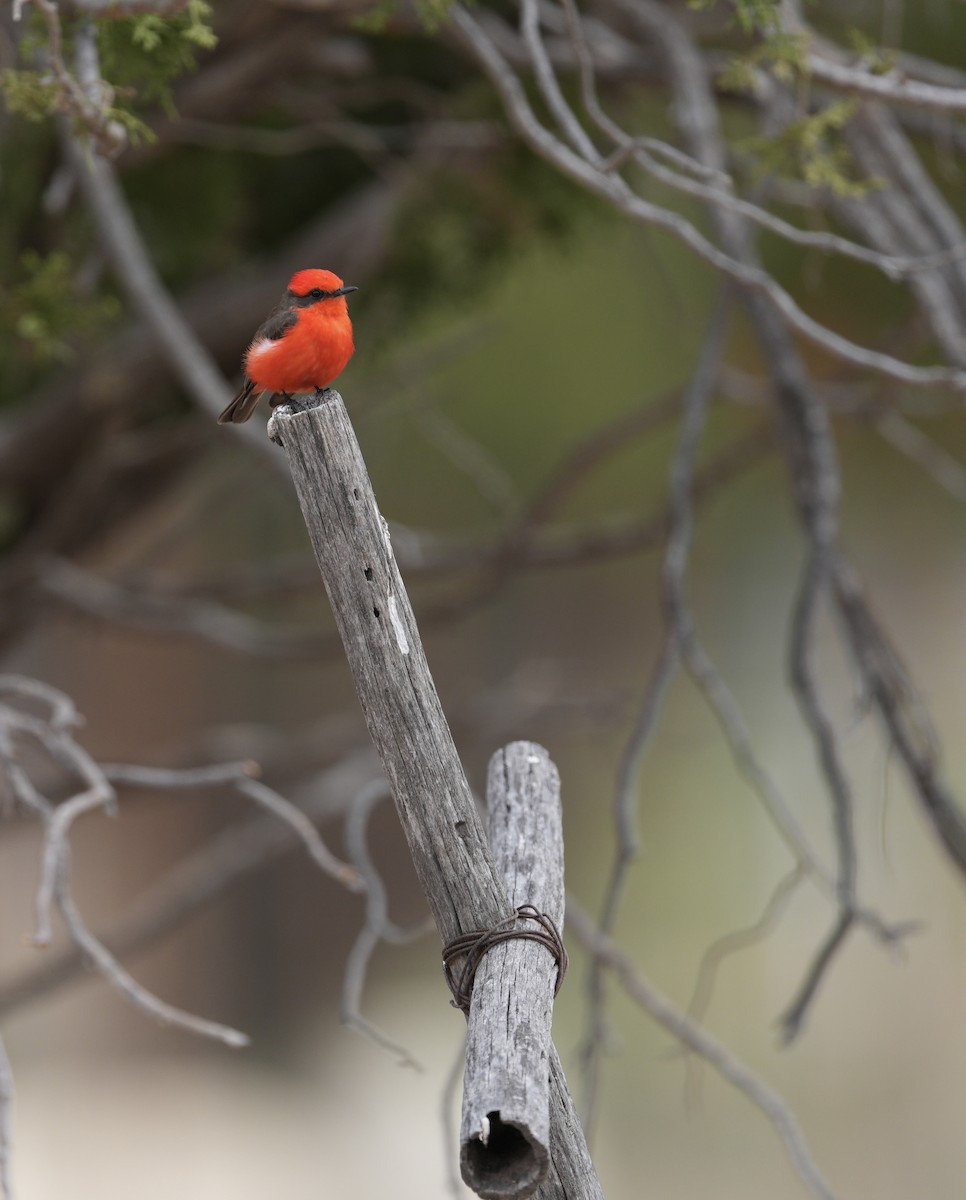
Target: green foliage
x=431 y=15
x=43 y=309
x=137 y=130
x=875 y=58
x=761 y=15
x=811 y=149
x=29 y=94
x=141 y=55
x=36 y=97
x=783 y=54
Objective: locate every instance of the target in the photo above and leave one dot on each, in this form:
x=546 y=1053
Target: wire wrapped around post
x=472 y=946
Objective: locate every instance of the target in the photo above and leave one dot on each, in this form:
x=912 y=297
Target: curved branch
x=697 y=1039
x=614 y=189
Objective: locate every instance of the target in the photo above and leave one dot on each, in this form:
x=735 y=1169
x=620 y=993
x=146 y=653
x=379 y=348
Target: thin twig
x=814 y=583
x=197 y=880
x=97 y=791
x=85 y=97
x=529 y=543
x=716 y=186
x=732 y=943
x=152 y=611
x=137 y=275
x=240 y=777
x=377 y=928
x=128 y=987
x=946 y=471
x=677 y=630
x=741 y=939
x=903 y=716
x=6 y=1108
x=614 y=189
x=62 y=714
x=99 y=794
x=449 y=1125
x=697 y=1039
x=793 y=1017
x=893 y=86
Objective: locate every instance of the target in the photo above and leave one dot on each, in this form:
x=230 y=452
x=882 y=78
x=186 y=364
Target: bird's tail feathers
x=243 y=405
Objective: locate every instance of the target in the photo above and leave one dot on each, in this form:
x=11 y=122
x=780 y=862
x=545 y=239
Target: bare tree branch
x=119 y=8
x=6 y=1105
x=84 y=96
x=740 y=939
x=714 y=185
x=589 y=174
x=242 y=778
x=192 y=885
x=814 y=584
x=826 y=64
x=892 y=693
x=97 y=780
x=152 y=611
x=676 y=555
x=136 y=273
x=377 y=928
x=698 y=1040
x=527 y=543
x=127 y=986
x=946 y=471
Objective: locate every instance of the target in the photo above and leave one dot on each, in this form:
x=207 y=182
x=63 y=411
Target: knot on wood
x=477 y=942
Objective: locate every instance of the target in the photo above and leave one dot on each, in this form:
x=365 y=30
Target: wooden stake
x=405 y=719
x=505 y=1131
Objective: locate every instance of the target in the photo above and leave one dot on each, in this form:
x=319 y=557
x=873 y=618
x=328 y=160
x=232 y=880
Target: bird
x=303 y=344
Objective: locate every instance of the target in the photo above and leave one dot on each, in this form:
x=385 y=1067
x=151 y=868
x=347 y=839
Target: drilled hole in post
x=368 y=573
x=355 y=493
x=375 y=612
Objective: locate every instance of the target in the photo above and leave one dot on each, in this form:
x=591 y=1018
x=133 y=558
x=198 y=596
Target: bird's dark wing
x=278 y=322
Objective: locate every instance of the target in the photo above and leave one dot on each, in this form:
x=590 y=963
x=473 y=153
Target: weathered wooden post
x=505 y=1130
x=406 y=721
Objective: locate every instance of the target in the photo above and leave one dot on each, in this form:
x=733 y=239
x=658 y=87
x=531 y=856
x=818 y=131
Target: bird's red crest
x=302 y=282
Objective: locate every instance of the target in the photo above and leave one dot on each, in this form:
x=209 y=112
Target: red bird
x=302 y=346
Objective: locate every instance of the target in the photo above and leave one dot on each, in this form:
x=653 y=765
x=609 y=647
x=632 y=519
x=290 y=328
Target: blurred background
x=524 y=355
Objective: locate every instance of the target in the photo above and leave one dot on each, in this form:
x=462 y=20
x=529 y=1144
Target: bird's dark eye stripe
x=309 y=298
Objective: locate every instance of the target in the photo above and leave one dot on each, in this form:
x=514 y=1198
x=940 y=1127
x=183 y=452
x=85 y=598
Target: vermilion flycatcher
x=303 y=345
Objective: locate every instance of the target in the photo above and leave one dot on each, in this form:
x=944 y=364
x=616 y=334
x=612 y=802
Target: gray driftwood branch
x=405 y=719
x=505 y=1130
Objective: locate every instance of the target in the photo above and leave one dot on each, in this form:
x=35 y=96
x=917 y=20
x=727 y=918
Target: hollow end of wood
x=509 y=1164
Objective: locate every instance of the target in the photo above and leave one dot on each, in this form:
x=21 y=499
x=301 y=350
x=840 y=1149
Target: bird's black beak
x=344 y=291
